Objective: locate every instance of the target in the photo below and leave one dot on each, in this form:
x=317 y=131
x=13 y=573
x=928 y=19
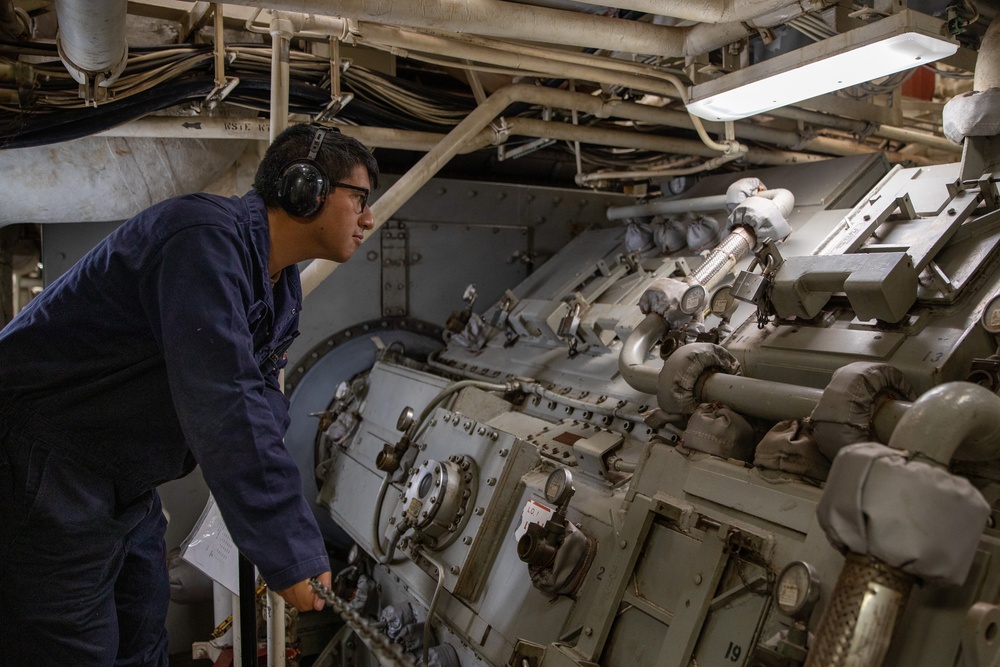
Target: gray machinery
x=755 y=426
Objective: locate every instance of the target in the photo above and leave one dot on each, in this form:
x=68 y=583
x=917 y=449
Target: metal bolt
x=392 y=519
x=468 y=425
x=866 y=217
x=482 y=430
x=951 y=211
x=697 y=579
x=434 y=422
x=480 y=511
x=504 y=452
x=453 y=569
x=623 y=544
x=492 y=481
x=588 y=631
x=466 y=540
x=494 y=436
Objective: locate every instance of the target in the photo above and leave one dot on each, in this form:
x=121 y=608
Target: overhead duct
x=703 y=11
x=102 y=179
x=91 y=42
x=523 y=22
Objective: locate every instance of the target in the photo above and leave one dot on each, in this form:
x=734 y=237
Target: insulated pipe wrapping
x=953 y=420
x=92 y=39
x=987 y=74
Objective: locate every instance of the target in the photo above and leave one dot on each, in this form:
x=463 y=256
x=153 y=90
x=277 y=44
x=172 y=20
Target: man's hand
x=303 y=597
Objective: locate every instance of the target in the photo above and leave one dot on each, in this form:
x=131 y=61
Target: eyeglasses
x=365 y=192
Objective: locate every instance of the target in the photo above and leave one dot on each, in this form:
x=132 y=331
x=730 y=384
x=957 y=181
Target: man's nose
x=367 y=220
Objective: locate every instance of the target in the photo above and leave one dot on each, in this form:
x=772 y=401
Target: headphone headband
x=317 y=142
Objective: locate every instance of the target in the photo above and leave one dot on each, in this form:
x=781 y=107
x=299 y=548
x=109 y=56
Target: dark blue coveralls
x=160 y=349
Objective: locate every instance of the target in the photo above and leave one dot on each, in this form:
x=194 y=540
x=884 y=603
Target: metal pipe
x=703 y=11
x=183 y=127
x=863 y=128
x=91 y=39
x=275 y=629
x=724 y=257
x=955 y=419
x=219 y=43
x=760 y=398
x=501 y=19
x=624 y=138
x=668 y=206
x=632 y=358
x=432 y=607
x=281 y=35
x=248 y=611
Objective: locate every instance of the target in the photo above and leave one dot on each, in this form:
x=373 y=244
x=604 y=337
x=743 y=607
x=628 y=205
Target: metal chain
x=222 y=628
x=388 y=653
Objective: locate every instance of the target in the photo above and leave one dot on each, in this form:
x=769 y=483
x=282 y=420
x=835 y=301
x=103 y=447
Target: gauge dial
x=797 y=589
x=991 y=315
x=559 y=486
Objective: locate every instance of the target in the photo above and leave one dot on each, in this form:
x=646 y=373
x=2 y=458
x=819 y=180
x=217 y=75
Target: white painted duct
x=703 y=11
x=102 y=179
x=495 y=18
x=92 y=39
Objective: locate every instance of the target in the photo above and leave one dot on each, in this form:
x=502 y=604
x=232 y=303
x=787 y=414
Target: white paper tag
x=533 y=512
x=210 y=548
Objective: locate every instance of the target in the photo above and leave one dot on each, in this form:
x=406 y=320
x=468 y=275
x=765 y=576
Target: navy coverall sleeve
x=196 y=296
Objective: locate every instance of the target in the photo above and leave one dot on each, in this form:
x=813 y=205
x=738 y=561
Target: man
x=161 y=349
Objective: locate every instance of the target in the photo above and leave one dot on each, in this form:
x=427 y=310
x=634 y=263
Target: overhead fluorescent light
x=893 y=44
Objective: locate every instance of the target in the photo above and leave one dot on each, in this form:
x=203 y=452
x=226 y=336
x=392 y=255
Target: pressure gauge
x=405 y=420
x=559 y=486
x=724 y=304
x=797 y=590
x=991 y=315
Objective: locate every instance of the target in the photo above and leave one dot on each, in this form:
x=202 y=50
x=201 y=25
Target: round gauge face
x=558 y=485
x=797 y=589
x=991 y=315
x=723 y=302
x=405 y=419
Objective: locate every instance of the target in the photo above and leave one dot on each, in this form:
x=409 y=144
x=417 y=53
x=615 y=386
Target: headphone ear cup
x=302 y=189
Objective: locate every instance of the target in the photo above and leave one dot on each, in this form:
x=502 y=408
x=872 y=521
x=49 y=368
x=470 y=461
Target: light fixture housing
x=892 y=44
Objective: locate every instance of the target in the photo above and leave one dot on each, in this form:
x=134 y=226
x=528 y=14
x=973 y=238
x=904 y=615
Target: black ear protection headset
x=303 y=185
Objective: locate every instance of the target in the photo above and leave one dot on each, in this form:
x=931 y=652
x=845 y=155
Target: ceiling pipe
x=607 y=71
x=91 y=43
x=703 y=11
x=494 y=18
x=281 y=35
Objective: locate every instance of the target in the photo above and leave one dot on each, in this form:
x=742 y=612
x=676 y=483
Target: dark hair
x=338 y=157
